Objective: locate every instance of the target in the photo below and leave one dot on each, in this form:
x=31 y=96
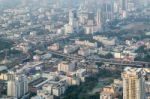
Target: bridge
x=104 y=60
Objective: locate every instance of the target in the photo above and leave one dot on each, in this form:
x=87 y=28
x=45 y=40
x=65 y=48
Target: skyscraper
x=71 y=18
x=99 y=20
x=98 y=17
x=124 y=4
x=133 y=83
x=107 y=10
x=18 y=86
x=130 y=5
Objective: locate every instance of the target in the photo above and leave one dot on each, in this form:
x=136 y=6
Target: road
x=104 y=60
x=107 y=61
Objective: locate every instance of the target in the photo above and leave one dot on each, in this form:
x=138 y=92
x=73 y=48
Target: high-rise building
x=133 y=83
x=99 y=20
x=107 y=10
x=73 y=24
x=124 y=4
x=71 y=18
x=17 y=86
x=130 y=5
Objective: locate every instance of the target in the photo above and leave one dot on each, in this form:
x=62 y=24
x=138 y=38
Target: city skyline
x=75 y=49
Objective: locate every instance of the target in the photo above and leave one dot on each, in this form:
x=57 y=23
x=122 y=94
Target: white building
x=70 y=49
x=84 y=51
x=86 y=43
x=68 y=29
x=18 y=86
x=52 y=88
x=105 y=40
x=73 y=24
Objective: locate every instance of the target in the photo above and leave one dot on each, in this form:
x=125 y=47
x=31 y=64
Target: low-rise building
x=54 y=47
x=53 y=88
x=113 y=91
x=86 y=43
x=106 y=41
x=70 y=49
x=84 y=52
x=66 y=66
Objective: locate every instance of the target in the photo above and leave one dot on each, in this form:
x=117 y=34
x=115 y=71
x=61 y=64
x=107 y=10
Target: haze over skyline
x=74 y=49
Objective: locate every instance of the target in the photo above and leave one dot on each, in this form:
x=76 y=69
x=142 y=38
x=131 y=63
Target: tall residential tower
x=133 y=83
x=17 y=86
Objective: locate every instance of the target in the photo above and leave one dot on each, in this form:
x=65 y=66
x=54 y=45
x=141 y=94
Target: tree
x=109 y=55
x=141 y=49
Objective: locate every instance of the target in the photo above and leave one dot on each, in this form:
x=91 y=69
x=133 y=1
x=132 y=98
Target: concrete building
x=106 y=41
x=73 y=80
x=86 y=43
x=68 y=29
x=66 y=66
x=73 y=24
x=133 y=83
x=107 y=10
x=99 y=21
x=3 y=76
x=92 y=24
x=70 y=49
x=84 y=51
x=114 y=91
x=18 y=86
x=52 y=88
x=54 y=47
x=108 y=93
